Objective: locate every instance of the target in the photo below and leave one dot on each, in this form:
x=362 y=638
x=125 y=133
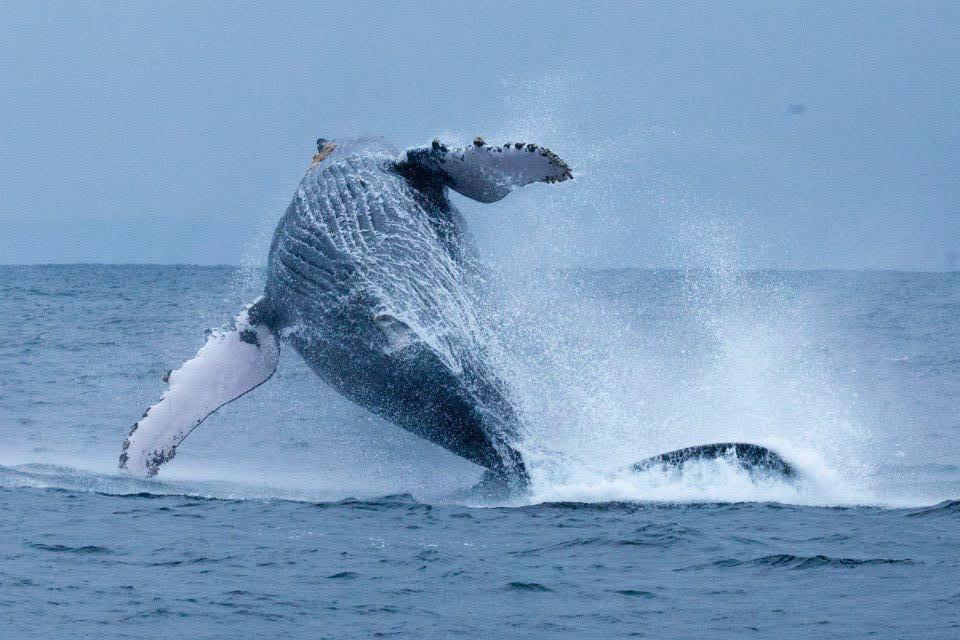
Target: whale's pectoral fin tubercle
x=233 y=361
x=487 y=173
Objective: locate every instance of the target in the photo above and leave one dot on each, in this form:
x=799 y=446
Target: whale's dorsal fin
x=487 y=173
x=232 y=362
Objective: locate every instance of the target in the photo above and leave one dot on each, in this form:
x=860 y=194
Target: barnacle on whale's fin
x=232 y=362
x=324 y=149
x=487 y=173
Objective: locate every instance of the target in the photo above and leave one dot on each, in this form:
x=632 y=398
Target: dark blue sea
x=293 y=514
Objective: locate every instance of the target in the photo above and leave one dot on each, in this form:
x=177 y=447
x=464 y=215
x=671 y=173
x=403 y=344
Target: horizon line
x=580 y=268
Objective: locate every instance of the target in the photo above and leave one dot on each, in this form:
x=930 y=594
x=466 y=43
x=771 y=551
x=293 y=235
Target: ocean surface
x=292 y=513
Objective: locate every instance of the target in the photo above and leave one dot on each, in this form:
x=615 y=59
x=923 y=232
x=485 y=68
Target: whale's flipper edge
x=487 y=173
x=753 y=458
x=233 y=361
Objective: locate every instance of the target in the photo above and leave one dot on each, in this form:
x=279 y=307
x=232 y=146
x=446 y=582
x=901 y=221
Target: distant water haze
x=771 y=135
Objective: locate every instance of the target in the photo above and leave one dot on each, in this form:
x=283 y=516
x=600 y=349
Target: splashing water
x=608 y=374
x=605 y=378
x=606 y=366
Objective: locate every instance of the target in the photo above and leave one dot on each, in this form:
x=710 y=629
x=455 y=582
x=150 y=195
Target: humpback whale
x=372 y=279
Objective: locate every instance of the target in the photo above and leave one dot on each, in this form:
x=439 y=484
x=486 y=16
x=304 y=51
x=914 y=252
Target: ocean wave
x=535 y=587
x=636 y=593
x=790 y=561
x=61 y=548
x=58 y=479
x=657 y=535
x=661 y=535
x=600 y=498
x=945 y=508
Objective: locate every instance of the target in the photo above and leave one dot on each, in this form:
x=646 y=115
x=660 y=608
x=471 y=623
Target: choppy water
x=292 y=513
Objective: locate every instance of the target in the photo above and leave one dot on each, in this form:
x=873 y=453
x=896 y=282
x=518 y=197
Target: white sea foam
x=604 y=380
x=714 y=480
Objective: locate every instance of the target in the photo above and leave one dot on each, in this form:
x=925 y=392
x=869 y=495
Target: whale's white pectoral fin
x=232 y=362
x=487 y=173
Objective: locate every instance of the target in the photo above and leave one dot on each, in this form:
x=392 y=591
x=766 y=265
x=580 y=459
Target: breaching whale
x=371 y=277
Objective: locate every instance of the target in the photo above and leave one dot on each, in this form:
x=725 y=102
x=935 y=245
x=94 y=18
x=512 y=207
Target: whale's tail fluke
x=487 y=173
x=752 y=458
x=233 y=361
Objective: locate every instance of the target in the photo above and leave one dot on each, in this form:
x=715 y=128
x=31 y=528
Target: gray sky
x=797 y=135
